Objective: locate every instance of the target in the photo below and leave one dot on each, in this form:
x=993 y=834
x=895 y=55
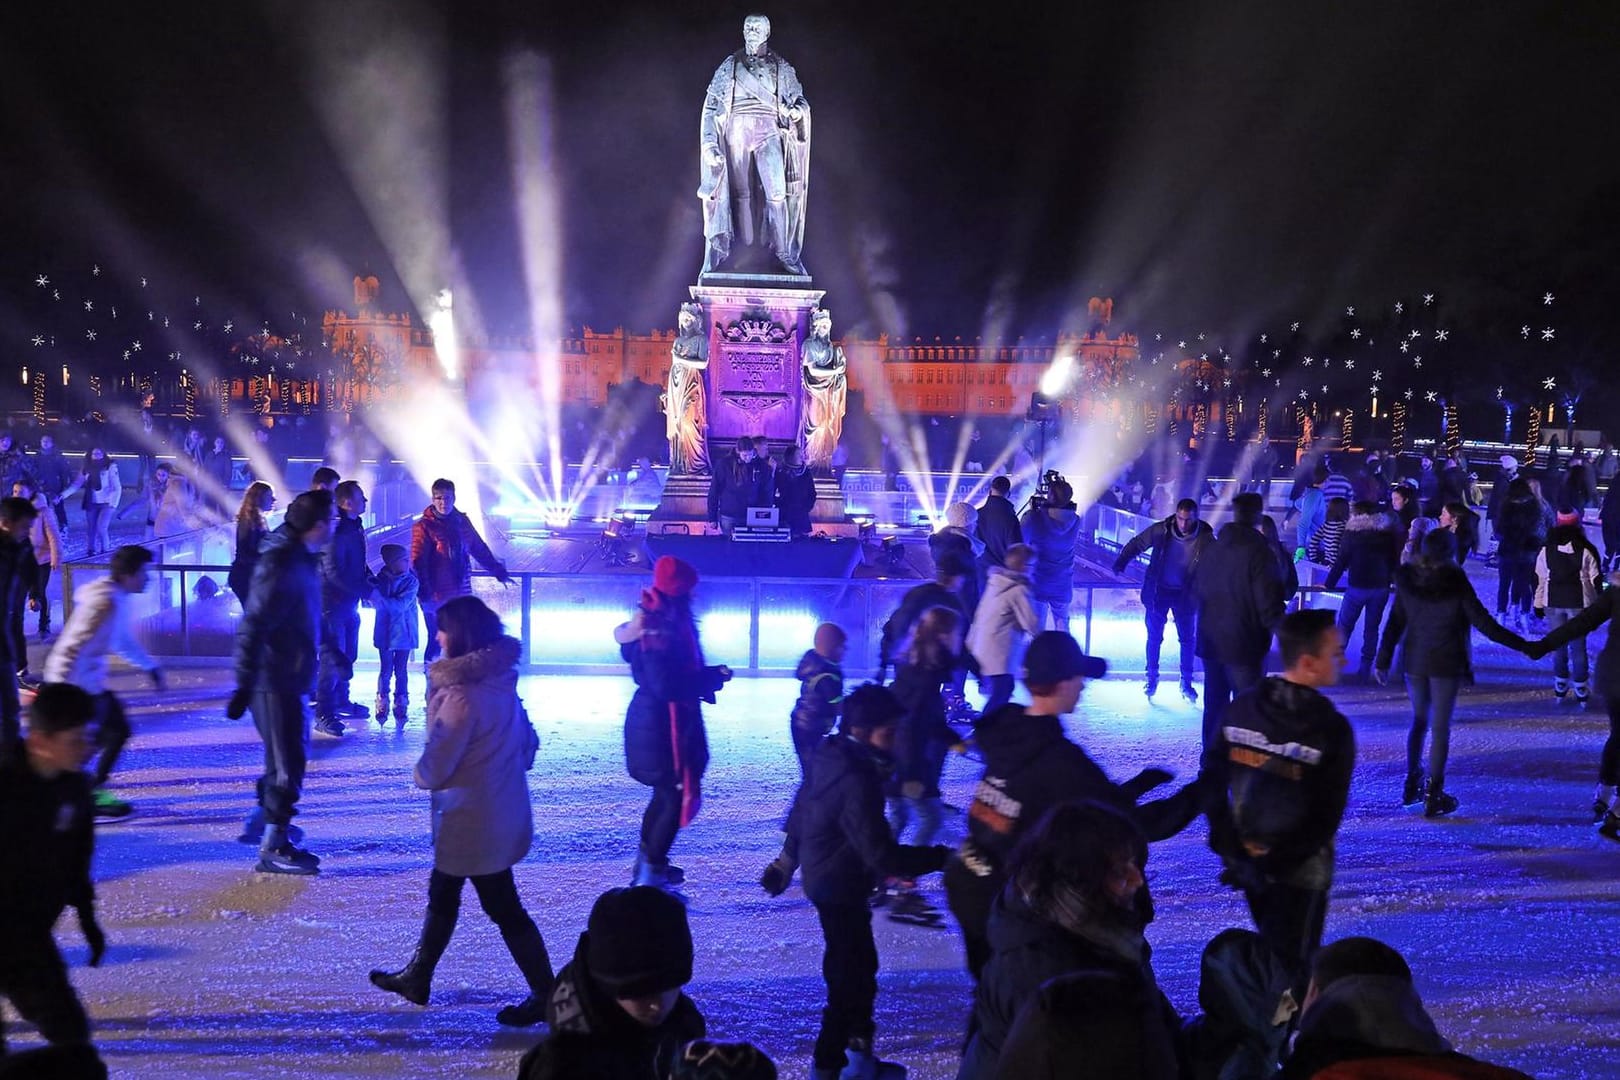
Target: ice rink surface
x=1508 y=910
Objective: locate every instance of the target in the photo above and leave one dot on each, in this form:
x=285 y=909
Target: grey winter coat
x=480 y=747
x=1003 y=624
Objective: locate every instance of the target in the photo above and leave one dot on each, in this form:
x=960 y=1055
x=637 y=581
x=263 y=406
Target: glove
x=1381 y=676
x=777 y=876
x=1119 y=566
x=1299 y=554
x=93 y=935
x=238 y=705
x=159 y=680
x=1148 y=779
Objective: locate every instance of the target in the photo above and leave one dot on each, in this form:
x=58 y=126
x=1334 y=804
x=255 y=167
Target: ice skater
x=1003 y=625
x=838 y=830
x=665 y=746
x=277 y=650
x=1168 y=588
x=821 y=692
x=345 y=581
x=98 y=627
x=394 y=631
x=480 y=747
x=1569 y=576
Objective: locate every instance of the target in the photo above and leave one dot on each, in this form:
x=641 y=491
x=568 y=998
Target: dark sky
x=1223 y=165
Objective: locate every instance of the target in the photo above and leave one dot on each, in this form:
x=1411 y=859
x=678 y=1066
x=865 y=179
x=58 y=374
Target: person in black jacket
x=838 y=834
x=16 y=574
x=1520 y=533
x=1052 y=531
x=951 y=575
x=795 y=488
x=1279 y=780
x=616 y=1011
x=1435 y=604
x=1075 y=909
x=665 y=745
x=1178 y=543
x=998 y=527
x=345 y=581
x=277 y=643
x=1606 y=608
x=1609 y=520
x=821 y=693
x=1370 y=550
x=1240 y=599
x=1031 y=766
x=49 y=826
x=1464 y=526
x=740 y=481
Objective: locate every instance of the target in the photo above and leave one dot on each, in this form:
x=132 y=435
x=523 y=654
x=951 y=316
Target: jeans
x=34 y=979
x=1000 y=692
x=1515 y=581
x=849 y=967
x=1059 y=610
x=39 y=595
x=929 y=815
x=28 y=570
x=430 y=619
x=497 y=895
x=1184 y=605
x=805 y=741
x=393 y=666
x=112 y=732
x=1368 y=604
x=340 y=646
x=1609 y=763
x=97 y=520
x=659 y=824
x=1557 y=617
x=284 y=727
x=1434 y=698
x=1222 y=683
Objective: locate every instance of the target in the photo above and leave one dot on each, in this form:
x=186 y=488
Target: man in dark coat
x=740 y=480
x=845 y=847
x=616 y=1010
x=1052 y=531
x=795 y=492
x=16 y=575
x=1370 y=551
x=48 y=822
x=952 y=572
x=277 y=645
x=1279 y=781
x=1031 y=766
x=345 y=581
x=998 y=527
x=1240 y=598
x=1177 y=543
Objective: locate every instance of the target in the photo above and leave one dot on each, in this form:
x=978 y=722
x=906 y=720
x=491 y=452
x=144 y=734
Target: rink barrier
x=757 y=625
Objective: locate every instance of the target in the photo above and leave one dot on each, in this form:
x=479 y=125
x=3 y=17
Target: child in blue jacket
x=394 y=630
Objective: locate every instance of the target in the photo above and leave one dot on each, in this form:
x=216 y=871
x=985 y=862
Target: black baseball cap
x=1055 y=656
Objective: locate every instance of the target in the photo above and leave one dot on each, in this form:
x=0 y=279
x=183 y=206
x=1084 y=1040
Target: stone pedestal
x=758 y=324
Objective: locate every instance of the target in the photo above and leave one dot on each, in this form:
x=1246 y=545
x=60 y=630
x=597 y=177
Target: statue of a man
x=754 y=154
x=825 y=387
x=686 y=423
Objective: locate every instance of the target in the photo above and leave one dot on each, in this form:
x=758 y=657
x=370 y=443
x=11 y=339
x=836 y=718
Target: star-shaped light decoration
x=1441 y=335
x=1156 y=337
x=1181 y=344
x=1200 y=335
x=1547 y=334
x=1350 y=311
x=1399 y=307
x=195 y=326
x=1546 y=298
x=1548 y=383
x=1349 y=365
x=1430 y=396
x=1294 y=327
x=1327 y=361
x=1408 y=395
x=136 y=346
x=1279 y=383
x=1262 y=339
x=113 y=310
x=1309 y=360
x=38 y=340
x=1417 y=361
x=1226 y=381
x=89 y=305
x=1373 y=390
x=1356 y=333
x=1204 y=357
x=227 y=326
x=89 y=335
x=1414 y=335
x=95 y=270
x=126 y=354
x=56 y=294
x=1275 y=353
x=1406 y=346
x=1265 y=373
x=1524 y=331
x=1377 y=374
x=196 y=301
x=1499 y=390
x=1324 y=388
x=1303 y=395
x=143 y=283
x=42 y=281
x=1428 y=298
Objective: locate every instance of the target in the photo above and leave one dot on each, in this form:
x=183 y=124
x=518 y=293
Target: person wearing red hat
x=664 y=742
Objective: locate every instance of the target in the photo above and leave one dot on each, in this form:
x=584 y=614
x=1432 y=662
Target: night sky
x=1219 y=166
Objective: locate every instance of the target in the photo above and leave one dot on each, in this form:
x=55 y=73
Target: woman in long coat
x=480 y=747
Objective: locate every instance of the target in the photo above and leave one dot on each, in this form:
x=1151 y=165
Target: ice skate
x=401 y=709
x=110 y=807
x=911 y=908
x=1438 y=803
x=329 y=726
x=379 y=709
x=279 y=855
x=1610 y=829
x=1602 y=799
x=1150 y=687
x=1560 y=689
x=864 y=1065
x=1188 y=692
x=1416 y=786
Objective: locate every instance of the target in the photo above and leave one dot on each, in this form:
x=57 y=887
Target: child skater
x=394 y=630
x=821 y=691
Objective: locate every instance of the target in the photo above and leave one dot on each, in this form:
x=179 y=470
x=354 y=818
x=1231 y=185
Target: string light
x=1397 y=432
x=1151 y=424
x=1533 y=438
x=1231 y=421
x=1453 y=431
x=188 y=390
x=224 y=385
x=1347 y=432
x=39 y=398
x=1261 y=434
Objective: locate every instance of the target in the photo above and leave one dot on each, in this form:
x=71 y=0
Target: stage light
x=558 y=517
x=1056 y=378
x=443 y=325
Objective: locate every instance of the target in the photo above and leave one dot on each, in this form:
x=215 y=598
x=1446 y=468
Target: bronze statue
x=825 y=386
x=755 y=154
x=686 y=423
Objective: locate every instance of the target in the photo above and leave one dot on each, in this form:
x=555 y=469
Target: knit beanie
x=640 y=942
x=705 y=1060
x=1567 y=516
x=674 y=577
x=390 y=552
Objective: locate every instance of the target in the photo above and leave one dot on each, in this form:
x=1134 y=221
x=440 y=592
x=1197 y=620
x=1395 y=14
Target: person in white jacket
x=1003 y=624
x=98 y=627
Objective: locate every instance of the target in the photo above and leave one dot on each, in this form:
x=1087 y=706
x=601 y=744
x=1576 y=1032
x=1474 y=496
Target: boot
x=1610 y=829
x=529 y=950
x=1602 y=799
x=413 y=981
x=1151 y=687
x=1582 y=695
x=379 y=709
x=1414 y=790
x=279 y=855
x=402 y=705
x=1437 y=802
x=1560 y=689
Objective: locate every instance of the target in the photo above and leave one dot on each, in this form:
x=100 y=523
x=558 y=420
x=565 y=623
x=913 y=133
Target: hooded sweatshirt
x=1370 y=550
x=1003 y=622
x=1280 y=769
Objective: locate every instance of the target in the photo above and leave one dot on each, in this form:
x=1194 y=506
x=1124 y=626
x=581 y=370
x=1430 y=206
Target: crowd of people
x=1047 y=889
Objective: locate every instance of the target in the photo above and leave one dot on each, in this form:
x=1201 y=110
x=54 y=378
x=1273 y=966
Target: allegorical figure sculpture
x=825 y=387
x=686 y=423
x=755 y=154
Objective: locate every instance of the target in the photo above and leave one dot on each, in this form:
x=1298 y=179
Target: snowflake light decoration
x=1417 y=362
x=1430 y=396
x=1350 y=311
x=1441 y=335
x=42 y=281
x=1547 y=334
x=1399 y=307
x=1349 y=365
x=1428 y=298
x=38 y=340
x=1356 y=333
x=1549 y=383
x=1546 y=298
x=89 y=335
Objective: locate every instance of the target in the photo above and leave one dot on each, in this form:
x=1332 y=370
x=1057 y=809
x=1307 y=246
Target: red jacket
x=442 y=550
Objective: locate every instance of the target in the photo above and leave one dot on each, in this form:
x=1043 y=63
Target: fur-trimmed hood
x=1379 y=522
x=497 y=658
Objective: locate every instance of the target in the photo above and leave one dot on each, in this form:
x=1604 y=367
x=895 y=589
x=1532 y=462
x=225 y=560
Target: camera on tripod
x=1043 y=491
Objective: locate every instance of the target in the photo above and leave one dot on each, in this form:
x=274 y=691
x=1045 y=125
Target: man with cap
x=394 y=629
x=1508 y=473
x=838 y=833
x=1031 y=766
x=665 y=746
x=617 y=1011
x=277 y=645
